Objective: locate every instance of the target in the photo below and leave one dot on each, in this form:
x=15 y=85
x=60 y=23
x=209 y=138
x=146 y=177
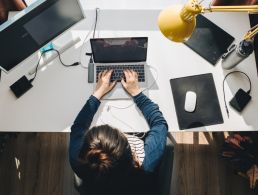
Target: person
x=10 y=5
x=109 y=161
x=234 y=2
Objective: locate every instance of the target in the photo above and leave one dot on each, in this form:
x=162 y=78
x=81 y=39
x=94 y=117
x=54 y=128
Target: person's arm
x=20 y=4
x=80 y=126
x=85 y=116
x=155 y=140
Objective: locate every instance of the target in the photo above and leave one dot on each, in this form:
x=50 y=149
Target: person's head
x=106 y=153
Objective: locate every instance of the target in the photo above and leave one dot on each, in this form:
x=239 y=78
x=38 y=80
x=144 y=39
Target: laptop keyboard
x=118 y=71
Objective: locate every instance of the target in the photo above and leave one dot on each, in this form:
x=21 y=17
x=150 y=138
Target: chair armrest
x=77 y=183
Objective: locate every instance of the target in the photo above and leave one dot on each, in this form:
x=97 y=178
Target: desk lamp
x=177 y=22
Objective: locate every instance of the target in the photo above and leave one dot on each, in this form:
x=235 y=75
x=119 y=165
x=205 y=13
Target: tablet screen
x=209 y=40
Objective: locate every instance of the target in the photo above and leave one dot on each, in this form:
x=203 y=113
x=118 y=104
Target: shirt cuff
x=94 y=99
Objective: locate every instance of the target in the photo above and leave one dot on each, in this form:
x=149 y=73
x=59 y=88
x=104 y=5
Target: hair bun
x=98 y=159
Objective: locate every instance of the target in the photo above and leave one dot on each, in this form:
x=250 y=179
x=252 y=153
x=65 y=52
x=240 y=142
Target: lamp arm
x=251 y=33
x=244 y=8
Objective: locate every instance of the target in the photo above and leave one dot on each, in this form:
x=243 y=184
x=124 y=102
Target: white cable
x=109 y=110
x=124 y=123
x=109 y=107
x=149 y=87
x=102 y=121
x=157 y=76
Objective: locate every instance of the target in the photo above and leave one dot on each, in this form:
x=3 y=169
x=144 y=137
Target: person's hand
x=104 y=85
x=131 y=84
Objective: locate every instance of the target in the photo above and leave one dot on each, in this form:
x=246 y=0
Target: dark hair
x=108 y=166
x=106 y=154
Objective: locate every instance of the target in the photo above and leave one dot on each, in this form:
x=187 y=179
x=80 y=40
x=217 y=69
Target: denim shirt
x=155 y=140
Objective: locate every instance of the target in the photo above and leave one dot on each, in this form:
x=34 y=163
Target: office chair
x=163 y=172
x=165 y=169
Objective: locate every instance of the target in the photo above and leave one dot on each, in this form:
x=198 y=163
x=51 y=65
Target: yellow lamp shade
x=173 y=26
x=177 y=22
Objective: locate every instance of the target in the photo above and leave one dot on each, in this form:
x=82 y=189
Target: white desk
x=59 y=93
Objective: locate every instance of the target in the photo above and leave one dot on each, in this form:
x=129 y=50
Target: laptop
x=119 y=54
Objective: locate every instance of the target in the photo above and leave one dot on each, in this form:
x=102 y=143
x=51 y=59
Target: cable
x=94 y=26
x=157 y=76
x=65 y=65
x=59 y=55
x=249 y=91
x=96 y=21
x=147 y=88
x=109 y=107
x=31 y=80
x=124 y=123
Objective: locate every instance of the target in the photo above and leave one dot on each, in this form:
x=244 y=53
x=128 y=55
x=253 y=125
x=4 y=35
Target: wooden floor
x=37 y=164
x=198 y=170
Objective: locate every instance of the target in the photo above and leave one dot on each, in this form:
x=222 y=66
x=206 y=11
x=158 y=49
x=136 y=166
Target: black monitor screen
x=35 y=29
x=110 y=50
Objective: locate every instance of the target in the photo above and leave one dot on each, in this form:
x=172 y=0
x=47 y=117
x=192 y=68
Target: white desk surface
x=59 y=93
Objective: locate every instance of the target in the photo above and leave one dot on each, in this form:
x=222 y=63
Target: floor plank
x=198 y=169
x=43 y=168
x=37 y=164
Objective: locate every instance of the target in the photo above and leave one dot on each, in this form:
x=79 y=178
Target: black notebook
x=207 y=111
x=208 y=40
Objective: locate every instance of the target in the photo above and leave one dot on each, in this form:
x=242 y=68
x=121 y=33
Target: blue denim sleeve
x=155 y=140
x=79 y=127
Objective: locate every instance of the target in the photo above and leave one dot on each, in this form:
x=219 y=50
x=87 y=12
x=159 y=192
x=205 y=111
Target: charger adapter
x=91 y=71
x=240 y=100
x=21 y=86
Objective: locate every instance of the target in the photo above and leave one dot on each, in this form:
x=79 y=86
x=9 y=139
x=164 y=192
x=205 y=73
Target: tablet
x=208 y=40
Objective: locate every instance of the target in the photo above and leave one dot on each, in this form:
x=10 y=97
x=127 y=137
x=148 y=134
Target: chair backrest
x=163 y=172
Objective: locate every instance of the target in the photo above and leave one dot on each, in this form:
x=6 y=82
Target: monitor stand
x=48 y=58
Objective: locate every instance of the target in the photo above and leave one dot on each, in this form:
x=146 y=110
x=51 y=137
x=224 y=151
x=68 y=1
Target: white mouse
x=190 y=101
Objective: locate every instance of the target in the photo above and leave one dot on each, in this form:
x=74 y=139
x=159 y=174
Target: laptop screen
x=115 y=50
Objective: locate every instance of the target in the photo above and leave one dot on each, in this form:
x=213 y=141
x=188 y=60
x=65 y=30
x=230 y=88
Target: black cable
x=36 y=70
x=249 y=91
x=59 y=55
x=94 y=31
x=96 y=21
x=66 y=65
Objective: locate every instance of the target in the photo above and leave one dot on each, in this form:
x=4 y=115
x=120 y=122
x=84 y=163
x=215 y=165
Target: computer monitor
x=34 y=27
